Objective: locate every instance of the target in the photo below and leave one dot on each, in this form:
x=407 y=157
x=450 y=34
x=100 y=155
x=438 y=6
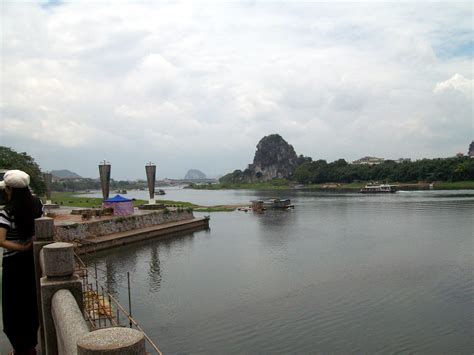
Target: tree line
x=440 y=169
x=10 y=159
x=84 y=184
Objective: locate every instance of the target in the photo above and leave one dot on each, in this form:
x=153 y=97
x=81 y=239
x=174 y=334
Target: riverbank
x=74 y=199
x=350 y=187
x=118 y=239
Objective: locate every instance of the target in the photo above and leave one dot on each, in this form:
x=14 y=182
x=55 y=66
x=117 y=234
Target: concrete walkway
x=161 y=230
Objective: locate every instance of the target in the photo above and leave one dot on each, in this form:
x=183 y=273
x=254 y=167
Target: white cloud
x=456 y=83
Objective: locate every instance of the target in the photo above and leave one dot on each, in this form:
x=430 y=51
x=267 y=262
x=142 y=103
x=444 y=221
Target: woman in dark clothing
x=19 y=308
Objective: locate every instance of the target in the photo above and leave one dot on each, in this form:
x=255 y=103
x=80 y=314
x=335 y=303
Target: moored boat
x=379 y=188
x=272 y=203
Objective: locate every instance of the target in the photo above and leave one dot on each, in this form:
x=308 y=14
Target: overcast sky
x=198 y=85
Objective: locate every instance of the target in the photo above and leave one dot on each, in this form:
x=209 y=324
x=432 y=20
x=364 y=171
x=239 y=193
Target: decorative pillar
x=44 y=233
x=48 y=180
x=151 y=177
x=104 y=172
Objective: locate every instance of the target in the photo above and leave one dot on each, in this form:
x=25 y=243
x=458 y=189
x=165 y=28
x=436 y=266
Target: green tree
x=10 y=159
x=303 y=174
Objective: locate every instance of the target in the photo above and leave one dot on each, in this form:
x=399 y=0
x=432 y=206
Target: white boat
x=378 y=188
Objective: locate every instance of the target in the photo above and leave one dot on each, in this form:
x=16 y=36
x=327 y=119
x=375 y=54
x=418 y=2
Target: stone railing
x=60 y=303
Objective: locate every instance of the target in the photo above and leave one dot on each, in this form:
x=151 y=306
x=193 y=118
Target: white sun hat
x=15 y=178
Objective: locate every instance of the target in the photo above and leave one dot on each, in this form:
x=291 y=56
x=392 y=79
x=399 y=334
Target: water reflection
x=154 y=271
x=112 y=276
x=112 y=266
x=276 y=227
x=274 y=219
x=176 y=240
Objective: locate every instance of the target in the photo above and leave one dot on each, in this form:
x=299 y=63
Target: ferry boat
x=160 y=192
x=381 y=188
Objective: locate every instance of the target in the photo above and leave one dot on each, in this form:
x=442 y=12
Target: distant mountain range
x=65 y=174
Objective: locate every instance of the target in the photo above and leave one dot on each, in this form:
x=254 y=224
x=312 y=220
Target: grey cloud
x=199 y=85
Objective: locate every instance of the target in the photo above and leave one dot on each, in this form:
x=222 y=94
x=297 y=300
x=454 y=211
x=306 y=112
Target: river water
x=339 y=273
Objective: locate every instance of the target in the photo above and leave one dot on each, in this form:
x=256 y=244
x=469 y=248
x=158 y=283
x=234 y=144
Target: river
x=340 y=273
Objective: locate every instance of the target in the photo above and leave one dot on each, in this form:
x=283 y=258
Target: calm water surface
x=339 y=273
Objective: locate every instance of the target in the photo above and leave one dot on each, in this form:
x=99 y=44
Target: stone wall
x=90 y=229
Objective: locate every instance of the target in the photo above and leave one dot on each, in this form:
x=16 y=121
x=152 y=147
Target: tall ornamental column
x=151 y=177
x=48 y=181
x=104 y=172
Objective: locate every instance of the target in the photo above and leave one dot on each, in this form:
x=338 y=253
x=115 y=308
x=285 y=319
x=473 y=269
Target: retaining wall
x=79 y=231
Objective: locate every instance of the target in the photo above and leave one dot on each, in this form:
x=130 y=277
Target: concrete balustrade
x=63 y=327
x=69 y=321
x=57 y=260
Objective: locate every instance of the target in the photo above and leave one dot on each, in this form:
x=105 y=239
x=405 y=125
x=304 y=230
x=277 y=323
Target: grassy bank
x=73 y=199
x=354 y=186
x=276 y=184
x=69 y=199
x=456 y=185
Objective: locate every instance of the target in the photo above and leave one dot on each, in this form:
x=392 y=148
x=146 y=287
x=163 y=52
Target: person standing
x=17 y=224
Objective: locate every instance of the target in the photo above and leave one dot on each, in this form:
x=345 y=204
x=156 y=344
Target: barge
x=274 y=203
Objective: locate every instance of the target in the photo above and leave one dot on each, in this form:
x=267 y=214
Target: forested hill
x=275 y=158
x=65 y=174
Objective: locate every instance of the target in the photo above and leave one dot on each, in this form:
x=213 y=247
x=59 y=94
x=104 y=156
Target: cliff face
x=274 y=158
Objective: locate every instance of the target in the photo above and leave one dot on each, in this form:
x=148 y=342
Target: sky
x=195 y=85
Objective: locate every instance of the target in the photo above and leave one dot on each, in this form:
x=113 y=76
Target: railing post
x=112 y=341
x=57 y=262
x=44 y=233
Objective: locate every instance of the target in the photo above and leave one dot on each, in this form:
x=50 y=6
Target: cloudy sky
x=198 y=84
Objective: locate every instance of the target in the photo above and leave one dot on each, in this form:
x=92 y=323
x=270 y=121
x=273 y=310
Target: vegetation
x=215 y=209
x=69 y=199
x=450 y=169
x=448 y=173
x=10 y=159
x=72 y=200
x=457 y=185
x=275 y=184
x=84 y=184
x=354 y=186
x=75 y=200
x=182 y=204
